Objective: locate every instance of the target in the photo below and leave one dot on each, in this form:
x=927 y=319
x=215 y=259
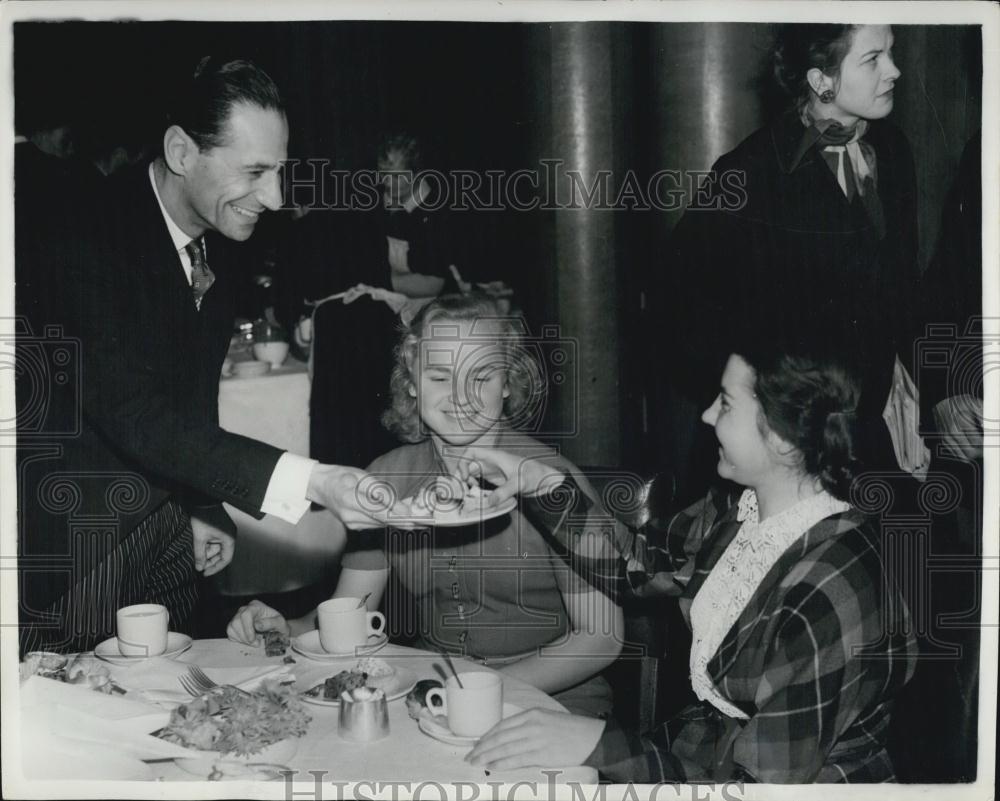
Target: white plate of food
x=465 y=515
x=236 y=732
x=309 y=646
x=80 y=669
x=436 y=726
x=108 y=650
x=394 y=681
x=447 y=501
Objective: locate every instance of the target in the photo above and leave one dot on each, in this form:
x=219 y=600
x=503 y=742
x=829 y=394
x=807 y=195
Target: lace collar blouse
x=737 y=576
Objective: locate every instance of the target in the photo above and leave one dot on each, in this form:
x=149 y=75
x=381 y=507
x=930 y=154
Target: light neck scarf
x=851 y=159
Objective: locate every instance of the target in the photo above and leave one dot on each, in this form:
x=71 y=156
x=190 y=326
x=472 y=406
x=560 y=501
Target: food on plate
x=379 y=672
x=275 y=643
x=46 y=664
x=370 y=673
x=475 y=499
x=444 y=497
x=363 y=694
x=231 y=721
x=416 y=699
x=335 y=685
x=74 y=670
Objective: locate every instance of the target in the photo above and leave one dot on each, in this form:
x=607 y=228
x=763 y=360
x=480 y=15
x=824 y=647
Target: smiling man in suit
x=148 y=296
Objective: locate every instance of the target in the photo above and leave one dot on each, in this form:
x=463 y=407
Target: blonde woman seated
x=494 y=591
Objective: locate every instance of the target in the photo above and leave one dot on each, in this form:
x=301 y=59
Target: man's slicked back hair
x=203 y=105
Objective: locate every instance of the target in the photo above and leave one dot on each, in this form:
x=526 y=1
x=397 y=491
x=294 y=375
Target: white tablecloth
x=407 y=755
x=272 y=555
x=273 y=407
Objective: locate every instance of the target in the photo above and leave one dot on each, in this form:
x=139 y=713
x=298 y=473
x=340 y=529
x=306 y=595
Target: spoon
x=364 y=600
x=451 y=666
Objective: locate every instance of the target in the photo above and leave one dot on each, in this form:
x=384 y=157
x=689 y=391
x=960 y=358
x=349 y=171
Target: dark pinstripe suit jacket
x=140 y=423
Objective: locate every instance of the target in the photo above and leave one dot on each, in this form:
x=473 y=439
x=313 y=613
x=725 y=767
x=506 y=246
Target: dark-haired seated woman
x=800 y=637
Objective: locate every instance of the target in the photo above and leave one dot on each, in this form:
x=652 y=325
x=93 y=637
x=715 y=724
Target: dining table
x=406 y=755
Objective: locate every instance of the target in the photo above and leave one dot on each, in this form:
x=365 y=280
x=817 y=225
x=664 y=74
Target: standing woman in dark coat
x=808 y=228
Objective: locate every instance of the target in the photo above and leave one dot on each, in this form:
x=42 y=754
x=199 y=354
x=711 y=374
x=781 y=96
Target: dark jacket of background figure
x=775 y=247
x=353 y=344
x=433 y=236
x=139 y=421
x=326 y=252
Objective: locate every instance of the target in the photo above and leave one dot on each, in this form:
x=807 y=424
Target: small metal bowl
x=364 y=721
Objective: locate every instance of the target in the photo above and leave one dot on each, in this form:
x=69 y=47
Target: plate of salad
x=235 y=727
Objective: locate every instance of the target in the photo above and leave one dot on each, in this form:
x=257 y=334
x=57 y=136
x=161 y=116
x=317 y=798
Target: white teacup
x=471 y=711
x=345 y=624
x=273 y=352
x=142 y=629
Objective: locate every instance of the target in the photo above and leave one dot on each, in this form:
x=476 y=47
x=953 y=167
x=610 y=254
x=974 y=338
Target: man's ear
x=179 y=150
x=412 y=390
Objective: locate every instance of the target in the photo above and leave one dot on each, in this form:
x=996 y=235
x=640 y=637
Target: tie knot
x=195 y=252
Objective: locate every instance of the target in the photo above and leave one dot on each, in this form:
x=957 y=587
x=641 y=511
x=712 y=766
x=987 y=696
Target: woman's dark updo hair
x=811 y=403
x=801 y=47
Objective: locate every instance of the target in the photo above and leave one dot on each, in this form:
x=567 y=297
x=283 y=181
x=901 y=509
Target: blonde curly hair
x=525 y=382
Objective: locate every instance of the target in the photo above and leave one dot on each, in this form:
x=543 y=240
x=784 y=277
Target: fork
x=189 y=686
x=197 y=682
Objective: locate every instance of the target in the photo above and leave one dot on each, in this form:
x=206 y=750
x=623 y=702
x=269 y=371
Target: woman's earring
x=826 y=96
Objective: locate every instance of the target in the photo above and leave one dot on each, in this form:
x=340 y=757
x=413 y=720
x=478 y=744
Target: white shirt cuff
x=286 y=491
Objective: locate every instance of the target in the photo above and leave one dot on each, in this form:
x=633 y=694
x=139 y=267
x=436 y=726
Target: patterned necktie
x=202 y=276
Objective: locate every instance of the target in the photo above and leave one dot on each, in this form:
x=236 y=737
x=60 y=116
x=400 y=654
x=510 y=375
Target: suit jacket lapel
x=159 y=256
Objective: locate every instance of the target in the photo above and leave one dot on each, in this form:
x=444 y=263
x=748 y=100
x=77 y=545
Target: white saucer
x=401 y=683
x=436 y=726
x=456 y=518
x=108 y=650
x=309 y=646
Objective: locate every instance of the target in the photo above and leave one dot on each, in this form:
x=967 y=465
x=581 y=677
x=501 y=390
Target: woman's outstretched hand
x=537 y=737
x=511 y=473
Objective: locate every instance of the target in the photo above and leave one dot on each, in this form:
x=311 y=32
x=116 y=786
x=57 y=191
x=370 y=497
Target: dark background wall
x=616 y=96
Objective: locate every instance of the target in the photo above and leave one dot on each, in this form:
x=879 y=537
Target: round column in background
x=579 y=100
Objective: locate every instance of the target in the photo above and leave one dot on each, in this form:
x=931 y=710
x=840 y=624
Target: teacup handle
x=373 y=629
x=440 y=694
